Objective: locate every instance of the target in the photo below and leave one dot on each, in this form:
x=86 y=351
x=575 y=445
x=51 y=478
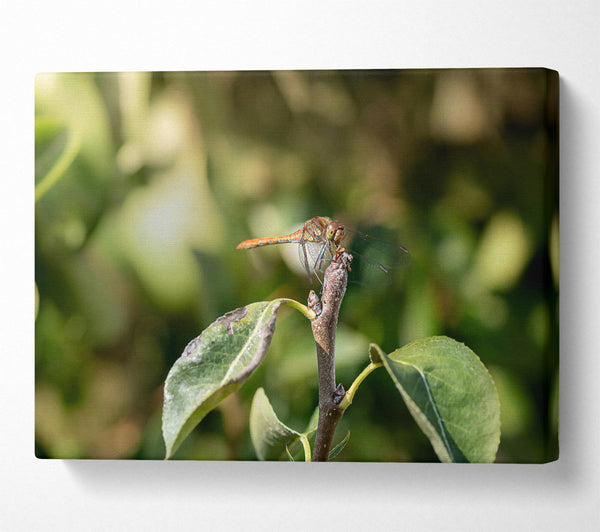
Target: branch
x=324 y=327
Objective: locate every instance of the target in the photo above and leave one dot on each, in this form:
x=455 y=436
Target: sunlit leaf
x=451 y=396
x=270 y=436
x=214 y=365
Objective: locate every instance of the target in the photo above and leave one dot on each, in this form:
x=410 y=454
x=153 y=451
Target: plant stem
x=324 y=327
x=309 y=313
x=306 y=447
x=347 y=401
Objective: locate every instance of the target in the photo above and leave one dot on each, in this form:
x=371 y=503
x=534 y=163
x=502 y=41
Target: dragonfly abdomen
x=267 y=241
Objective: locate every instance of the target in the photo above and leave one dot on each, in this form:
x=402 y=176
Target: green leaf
x=338 y=448
x=270 y=437
x=214 y=365
x=375 y=354
x=451 y=396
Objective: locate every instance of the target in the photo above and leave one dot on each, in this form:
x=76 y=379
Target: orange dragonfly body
x=320 y=238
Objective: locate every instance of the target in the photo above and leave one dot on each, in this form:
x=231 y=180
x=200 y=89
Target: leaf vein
x=244 y=348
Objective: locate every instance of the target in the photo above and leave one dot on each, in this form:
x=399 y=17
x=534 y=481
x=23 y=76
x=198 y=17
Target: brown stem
x=324 y=327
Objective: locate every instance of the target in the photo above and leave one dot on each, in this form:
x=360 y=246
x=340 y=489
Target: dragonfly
x=320 y=238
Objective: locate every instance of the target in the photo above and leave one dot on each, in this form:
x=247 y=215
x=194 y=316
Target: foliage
x=451 y=397
x=214 y=365
x=444 y=384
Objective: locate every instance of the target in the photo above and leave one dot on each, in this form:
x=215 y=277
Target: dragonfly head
x=335 y=233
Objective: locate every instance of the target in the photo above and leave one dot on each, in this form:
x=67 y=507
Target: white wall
x=132 y=35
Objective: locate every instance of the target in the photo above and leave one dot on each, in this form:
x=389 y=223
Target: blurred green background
x=146 y=182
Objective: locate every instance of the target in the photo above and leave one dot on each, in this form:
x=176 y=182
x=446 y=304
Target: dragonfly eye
x=335 y=232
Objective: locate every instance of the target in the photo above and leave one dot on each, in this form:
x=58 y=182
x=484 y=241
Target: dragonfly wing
x=304 y=258
x=315 y=257
x=389 y=254
x=368 y=272
x=374 y=259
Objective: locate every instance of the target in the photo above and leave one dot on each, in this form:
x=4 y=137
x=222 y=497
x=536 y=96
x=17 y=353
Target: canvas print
x=339 y=265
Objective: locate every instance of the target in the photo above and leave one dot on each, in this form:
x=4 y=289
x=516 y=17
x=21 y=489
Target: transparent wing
x=315 y=257
x=374 y=259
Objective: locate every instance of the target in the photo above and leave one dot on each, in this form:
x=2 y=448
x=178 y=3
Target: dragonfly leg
x=341 y=255
x=317 y=265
